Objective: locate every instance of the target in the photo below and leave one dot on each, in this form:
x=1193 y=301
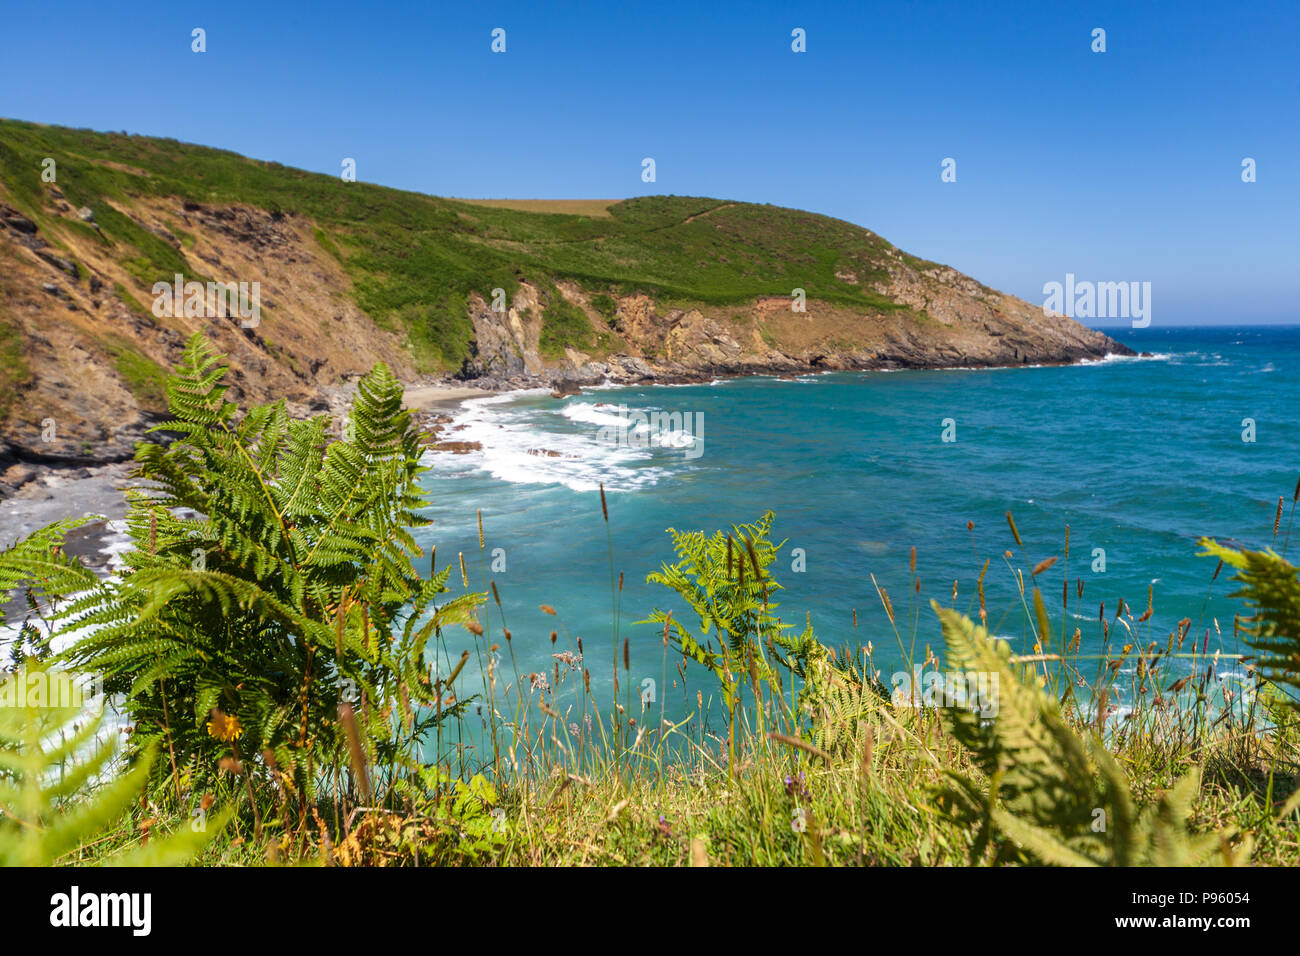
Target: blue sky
x=1115 y=166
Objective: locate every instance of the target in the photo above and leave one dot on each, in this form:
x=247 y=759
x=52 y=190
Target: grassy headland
x=507 y=292
x=415 y=258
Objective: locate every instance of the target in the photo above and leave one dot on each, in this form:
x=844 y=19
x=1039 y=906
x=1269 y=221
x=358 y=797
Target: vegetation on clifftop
x=415 y=259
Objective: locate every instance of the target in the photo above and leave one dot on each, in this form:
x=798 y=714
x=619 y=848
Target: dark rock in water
x=564 y=388
x=91 y=542
x=457 y=447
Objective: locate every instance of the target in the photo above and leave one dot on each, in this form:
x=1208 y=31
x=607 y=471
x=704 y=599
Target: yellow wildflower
x=224 y=727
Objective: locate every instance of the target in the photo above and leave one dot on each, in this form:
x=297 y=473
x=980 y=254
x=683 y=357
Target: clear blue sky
x=1117 y=166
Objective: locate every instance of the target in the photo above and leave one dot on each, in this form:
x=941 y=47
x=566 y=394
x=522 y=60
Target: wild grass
x=565 y=778
x=146 y=379
x=763 y=746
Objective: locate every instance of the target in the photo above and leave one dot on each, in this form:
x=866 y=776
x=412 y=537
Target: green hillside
x=413 y=259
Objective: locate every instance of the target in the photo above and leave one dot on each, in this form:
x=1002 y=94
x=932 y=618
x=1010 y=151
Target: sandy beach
x=422 y=398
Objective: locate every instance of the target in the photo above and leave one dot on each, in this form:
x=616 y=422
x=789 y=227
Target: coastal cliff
x=495 y=294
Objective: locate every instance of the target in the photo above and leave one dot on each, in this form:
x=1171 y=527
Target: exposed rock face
x=950 y=320
x=637 y=321
x=506 y=343
x=15 y=220
x=694 y=340
x=93 y=353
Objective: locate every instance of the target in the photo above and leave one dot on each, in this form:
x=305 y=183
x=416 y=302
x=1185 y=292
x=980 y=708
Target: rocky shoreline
x=627 y=370
x=34 y=493
x=25 y=474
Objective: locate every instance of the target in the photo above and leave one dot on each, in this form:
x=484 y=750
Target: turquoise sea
x=1138 y=456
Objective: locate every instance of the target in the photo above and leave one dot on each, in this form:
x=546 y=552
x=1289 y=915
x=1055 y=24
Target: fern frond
x=1057 y=798
x=1270 y=586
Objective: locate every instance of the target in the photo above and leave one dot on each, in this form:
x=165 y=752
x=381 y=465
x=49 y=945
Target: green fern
x=726 y=582
x=1051 y=795
x=844 y=705
x=52 y=797
x=271 y=574
x=39 y=568
x=1270 y=585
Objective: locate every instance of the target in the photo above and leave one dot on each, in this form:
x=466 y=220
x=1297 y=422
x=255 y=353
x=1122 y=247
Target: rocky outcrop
x=83 y=384
x=506 y=343
x=944 y=320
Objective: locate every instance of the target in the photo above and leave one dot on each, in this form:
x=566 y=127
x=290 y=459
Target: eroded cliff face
x=506 y=344
x=950 y=320
x=85 y=355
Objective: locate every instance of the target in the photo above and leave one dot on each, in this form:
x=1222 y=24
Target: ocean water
x=1137 y=456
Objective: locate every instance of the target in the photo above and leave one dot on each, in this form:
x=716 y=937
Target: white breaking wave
x=1111 y=358
x=1212 y=359
x=592 y=415
x=674 y=439
x=527 y=444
